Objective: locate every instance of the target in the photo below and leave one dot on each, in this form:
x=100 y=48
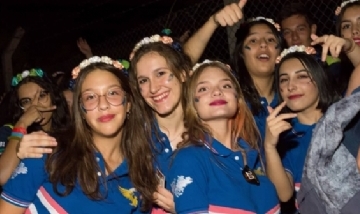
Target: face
x=297 y=87
x=297 y=31
x=215 y=95
x=69 y=98
x=31 y=94
x=158 y=85
x=350 y=24
x=105 y=103
x=260 y=50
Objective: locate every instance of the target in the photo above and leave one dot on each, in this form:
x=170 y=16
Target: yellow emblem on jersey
x=130 y=195
x=259 y=171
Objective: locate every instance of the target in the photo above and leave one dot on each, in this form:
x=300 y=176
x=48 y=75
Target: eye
x=142 y=81
x=114 y=92
x=228 y=85
x=88 y=97
x=345 y=26
x=272 y=40
x=25 y=101
x=160 y=73
x=202 y=89
x=303 y=76
x=283 y=80
x=301 y=28
x=286 y=32
x=43 y=94
x=253 y=41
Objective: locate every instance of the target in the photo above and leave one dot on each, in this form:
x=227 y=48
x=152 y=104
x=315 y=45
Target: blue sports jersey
x=294 y=144
x=29 y=187
x=209 y=179
x=5 y=132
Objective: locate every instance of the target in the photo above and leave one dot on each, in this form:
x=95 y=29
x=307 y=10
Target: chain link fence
x=193 y=17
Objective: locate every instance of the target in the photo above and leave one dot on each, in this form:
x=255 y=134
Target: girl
x=305 y=95
x=213 y=168
x=159 y=70
x=37 y=106
x=95 y=168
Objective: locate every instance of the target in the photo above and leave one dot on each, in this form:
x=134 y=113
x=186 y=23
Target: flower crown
x=34 y=72
x=206 y=61
x=155 y=38
x=295 y=48
x=271 y=21
x=122 y=65
x=343 y=4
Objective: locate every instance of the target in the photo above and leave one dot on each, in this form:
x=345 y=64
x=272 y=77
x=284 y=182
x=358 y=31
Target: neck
x=309 y=117
x=221 y=131
x=264 y=86
x=109 y=147
x=173 y=124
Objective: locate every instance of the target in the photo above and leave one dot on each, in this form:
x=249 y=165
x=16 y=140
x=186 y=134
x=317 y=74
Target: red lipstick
x=106 y=118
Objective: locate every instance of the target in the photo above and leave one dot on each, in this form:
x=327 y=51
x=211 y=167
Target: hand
x=164 y=199
x=332 y=44
x=34 y=115
x=230 y=14
x=34 y=145
x=276 y=124
x=84 y=47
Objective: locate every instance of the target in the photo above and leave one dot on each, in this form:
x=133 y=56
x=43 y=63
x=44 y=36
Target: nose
x=291 y=85
x=263 y=43
x=216 y=92
x=294 y=36
x=103 y=103
x=355 y=31
x=154 y=87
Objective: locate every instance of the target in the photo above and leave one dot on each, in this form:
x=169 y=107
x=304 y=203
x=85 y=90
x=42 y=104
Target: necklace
x=296 y=134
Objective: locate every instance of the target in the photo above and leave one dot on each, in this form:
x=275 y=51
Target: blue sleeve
x=5 y=132
x=356 y=90
x=21 y=189
x=189 y=183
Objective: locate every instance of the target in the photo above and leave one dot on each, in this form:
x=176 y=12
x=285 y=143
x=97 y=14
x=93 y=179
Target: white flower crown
x=271 y=21
x=152 y=39
x=343 y=4
x=95 y=59
x=206 y=61
x=295 y=48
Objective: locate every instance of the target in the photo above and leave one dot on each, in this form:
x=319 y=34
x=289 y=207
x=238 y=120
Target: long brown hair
x=73 y=161
x=179 y=64
x=243 y=124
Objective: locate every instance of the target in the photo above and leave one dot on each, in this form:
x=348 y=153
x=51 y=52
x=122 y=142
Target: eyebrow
x=222 y=80
x=296 y=72
x=155 y=70
x=111 y=86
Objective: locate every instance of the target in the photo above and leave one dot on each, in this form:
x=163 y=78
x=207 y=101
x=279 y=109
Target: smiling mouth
x=293 y=97
x=161 y=97
x=263 y=57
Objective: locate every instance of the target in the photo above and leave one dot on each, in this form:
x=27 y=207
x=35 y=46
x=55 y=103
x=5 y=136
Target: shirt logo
x=179 y=184
x=130 y=195
x=21 y=169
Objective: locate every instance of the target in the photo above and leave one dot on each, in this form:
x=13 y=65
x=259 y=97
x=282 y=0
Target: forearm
x=277 y=174
x=8 y=161
x=197 y=43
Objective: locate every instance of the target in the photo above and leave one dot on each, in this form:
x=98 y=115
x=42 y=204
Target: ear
x=128 y=106
x=313 y=29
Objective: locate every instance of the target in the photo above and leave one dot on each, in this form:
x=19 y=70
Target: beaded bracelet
x=17 y=133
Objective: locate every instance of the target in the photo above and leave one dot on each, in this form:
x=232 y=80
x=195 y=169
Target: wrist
x=214 y=21
x=21 y=124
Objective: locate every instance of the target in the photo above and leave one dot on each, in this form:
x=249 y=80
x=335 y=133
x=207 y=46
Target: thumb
x=242 y=3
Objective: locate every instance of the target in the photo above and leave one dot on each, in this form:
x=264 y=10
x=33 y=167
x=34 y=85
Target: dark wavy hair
x=251 y=95
x=317 y=72
x=60 y=118
x=73 y=160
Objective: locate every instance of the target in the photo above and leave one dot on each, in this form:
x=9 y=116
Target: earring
x=127 y=115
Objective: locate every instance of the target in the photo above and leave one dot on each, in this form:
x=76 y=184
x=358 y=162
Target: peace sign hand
x=230 y=14
x=276 y=124
x=332 y=44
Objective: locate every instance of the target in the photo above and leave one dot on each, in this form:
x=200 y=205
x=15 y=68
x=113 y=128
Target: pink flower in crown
x=277 y=26
x=117 y=64
x=75 y=72
x=310 y=50
x=166 y=40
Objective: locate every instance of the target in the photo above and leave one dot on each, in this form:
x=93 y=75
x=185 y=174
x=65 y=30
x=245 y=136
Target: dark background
x=113 y=27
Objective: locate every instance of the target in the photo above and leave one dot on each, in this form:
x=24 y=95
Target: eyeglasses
x=90 y=100
x=25 y=103
x=300 y=79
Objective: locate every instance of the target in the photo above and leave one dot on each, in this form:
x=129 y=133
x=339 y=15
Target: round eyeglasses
x=90 y=100
x=26 y=102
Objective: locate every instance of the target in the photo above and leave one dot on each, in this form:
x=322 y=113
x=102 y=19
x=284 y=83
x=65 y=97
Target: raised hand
x=34 y=145
x=230 y=14
x=276 y=124
x=332 y=44
x=84 y=47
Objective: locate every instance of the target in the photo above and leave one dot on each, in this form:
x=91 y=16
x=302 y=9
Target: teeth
x=161 y=96
x=264 y=56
